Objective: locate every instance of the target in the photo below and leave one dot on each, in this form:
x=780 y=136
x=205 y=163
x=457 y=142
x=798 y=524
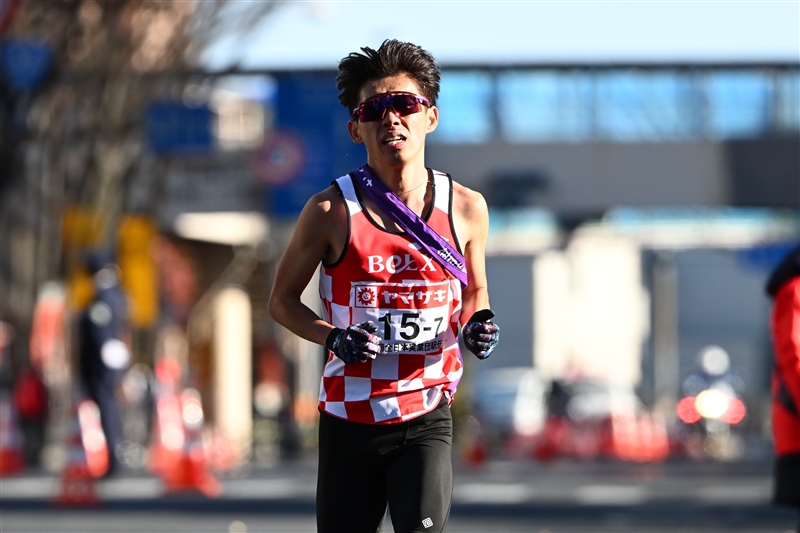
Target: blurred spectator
x=558 y=398
x=784 y=287
x=31 y=401
x=104 y=353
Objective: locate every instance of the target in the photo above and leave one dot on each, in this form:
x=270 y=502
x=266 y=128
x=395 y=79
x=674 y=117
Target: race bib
x=412 y=317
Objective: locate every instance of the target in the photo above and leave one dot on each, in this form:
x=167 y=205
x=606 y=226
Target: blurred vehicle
x=596 y=401
x=590 y=419
x=511 y=402
x=531 y=416
x=711 y=408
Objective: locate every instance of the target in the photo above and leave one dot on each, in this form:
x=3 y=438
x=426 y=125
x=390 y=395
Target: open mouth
x=394 y=140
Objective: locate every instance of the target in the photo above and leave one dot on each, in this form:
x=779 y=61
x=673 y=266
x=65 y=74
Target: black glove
x=480 y=334
x=355 y=344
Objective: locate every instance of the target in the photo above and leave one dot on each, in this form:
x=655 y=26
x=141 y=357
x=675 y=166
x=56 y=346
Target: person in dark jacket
x=784 y=287
x=104 y=353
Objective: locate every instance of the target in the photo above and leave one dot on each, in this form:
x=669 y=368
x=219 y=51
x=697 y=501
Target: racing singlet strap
x=434 y=244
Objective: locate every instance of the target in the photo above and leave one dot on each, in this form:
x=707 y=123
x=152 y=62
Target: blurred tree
x=73 y=140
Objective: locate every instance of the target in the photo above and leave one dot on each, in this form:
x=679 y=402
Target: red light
x=687 y=411
x=736 y=411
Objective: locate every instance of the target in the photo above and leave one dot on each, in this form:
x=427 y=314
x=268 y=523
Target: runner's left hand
x=480 y=334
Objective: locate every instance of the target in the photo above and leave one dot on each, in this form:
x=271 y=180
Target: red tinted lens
x=375 y=108
x=405 y=104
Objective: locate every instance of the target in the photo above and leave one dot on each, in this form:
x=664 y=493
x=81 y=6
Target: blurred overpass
x=580 y=139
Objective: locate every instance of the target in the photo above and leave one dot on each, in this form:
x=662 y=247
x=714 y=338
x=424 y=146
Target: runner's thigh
x=350 y=483
x=420 y=486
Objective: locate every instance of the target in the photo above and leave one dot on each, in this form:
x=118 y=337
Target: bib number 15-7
x=411 y=317
x=409 y=328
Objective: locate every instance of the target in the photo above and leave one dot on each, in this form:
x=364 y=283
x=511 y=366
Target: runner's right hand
x=355 y=344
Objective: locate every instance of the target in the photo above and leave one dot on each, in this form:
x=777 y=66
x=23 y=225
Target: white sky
x=304 y=34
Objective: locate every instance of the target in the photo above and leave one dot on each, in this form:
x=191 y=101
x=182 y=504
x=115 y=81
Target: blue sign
x=25 y=63
x=173 y=127
x=767 y=256
x=309 y=108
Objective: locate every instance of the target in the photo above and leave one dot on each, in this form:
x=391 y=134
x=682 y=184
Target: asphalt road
x=499 y=497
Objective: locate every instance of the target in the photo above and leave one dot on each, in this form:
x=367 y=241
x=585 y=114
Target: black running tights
x=362 y=467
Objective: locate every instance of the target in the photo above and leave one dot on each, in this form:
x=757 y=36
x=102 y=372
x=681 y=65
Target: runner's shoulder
x=326 y=206
x=469 y=203
x=327 y=199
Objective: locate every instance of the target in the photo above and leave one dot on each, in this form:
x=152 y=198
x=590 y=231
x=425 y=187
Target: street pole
x=665 y=333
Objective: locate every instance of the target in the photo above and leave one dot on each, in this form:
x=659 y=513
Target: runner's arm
x=313 y=238
x=472 y=226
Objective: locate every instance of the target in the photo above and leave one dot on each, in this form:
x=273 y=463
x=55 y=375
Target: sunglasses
x=401 y=103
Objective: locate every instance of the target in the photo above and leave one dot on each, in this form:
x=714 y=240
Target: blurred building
x=585 y=138
x=632 y=207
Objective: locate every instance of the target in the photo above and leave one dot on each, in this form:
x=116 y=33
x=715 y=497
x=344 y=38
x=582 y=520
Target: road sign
x=173 y=127
x=307 y=105
x=280 y=159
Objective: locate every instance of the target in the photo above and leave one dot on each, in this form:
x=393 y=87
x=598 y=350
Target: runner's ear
x=352 y=127
x=433 y=118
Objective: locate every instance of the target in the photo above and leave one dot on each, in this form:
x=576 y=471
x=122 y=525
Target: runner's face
x=395 y=140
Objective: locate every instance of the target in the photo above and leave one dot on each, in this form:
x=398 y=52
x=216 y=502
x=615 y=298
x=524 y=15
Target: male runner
x=392 y=311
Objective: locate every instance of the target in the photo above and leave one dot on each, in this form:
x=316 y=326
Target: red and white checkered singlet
x=384 y=277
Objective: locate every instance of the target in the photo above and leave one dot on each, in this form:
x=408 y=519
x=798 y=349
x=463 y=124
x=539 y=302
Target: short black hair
x=392 y=58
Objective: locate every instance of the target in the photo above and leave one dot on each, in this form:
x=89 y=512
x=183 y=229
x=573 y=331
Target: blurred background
x=640 y=160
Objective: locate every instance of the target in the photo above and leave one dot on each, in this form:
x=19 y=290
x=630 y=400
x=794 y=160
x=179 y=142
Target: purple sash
x=432 y=242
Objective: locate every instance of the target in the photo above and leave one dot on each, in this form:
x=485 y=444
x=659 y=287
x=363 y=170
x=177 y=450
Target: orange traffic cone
x=656 y=439
x=11 y=453
x=476 y=453
x=555 y=440
x=77 y=479
x=642 y=439
x=94 y=441
x=585 y=442
x=222 y=455
x=190 y=472
x=474 y=446
x=167 y=445
x=622 y=437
